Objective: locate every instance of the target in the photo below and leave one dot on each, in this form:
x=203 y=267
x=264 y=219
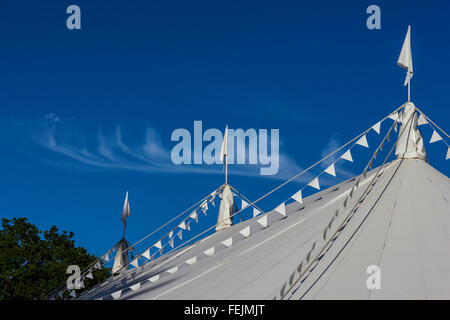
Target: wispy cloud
x=111 y=150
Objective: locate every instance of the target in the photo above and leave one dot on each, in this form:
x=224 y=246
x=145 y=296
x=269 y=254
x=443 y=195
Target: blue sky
x=87 y=114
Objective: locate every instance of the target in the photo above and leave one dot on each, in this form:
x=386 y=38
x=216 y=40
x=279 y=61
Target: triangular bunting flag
x=394 y=116
x=194 y=216
x=191 y=260
x=188 y=225
x=422 y=120
x=161 y=251
x=90 y=275
x=180 y=234
x=170 y=234
x=73 y=294
x=435 y=137
x=281 y=209
x=330 y=170
x=210 y=252
x=228 y=242
x=106 y=257
x=347 y=156
x=244 y=204
x=154 y=278
x=135 y=263
x=158 y=244
x=136 y=286
x=263 y=221
x=315 y=183
x=255 y=212
x=448 y=154
x=245 y=232
x=298 y=196
x=116 y=295
x=376 y=127
x=173 y=270
x=171 y=242
x=146 y=254
x=182 y=225
x=363 y=141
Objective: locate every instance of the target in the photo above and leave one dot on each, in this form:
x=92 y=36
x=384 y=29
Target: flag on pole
x=126 y=210
x=405 y=58
x=224 y=150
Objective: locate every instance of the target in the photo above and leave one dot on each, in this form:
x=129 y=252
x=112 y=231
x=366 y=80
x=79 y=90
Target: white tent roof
x=403 y=226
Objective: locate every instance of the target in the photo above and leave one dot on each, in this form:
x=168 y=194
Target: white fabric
x=315 y=183
x=224 y=149
x=347 y=156
x=147 y=254
x=410 y=143
x=245 y=232
x=448 y=154
x=255 y=212
x=182 y=225
x=363 y=141
x=376 y=127
x=281 y=209
x=121 y=259
x=298 y=196
x=135 y=263
x=244 y=204
x=191 y=260
x=422 y=120
x=180 y=234
x=210 y=252
x=226 y=210
x=126 y=209
x=435 y=137
x=116 y=295
x=405 y=58
x=90 y=275
x=228 y=242
x=263 y=221
x=171 y=242
x=330 y=170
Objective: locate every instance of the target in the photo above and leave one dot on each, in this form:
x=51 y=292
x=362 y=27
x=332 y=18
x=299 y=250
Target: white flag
x=116 y=295
x=422 y=120
x=405 y=58
x=147 y=254
x=194 y=216
x=210 y=252
x=448 y=154
x=376 y=127
x=126 y=209
x=347 y=156
x=171 y=242
x=298 y=196
x=315 y=183
x=435 y=137
x=228 y=242
x=245 y=232
x=158 y=244
x=182 y=225
x=281 y=209
x=330 y=170
x=263 y=221
x=255 y=212
x=244 y=204
x=363 y=141
x=135 y=263
x=224 y=149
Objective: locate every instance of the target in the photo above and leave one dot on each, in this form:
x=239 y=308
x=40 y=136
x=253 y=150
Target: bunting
x=194 y=216
x=281 y=209
x=255 y=212
x=244 y=204
x=146 y=254
x=180 y=234
x=136 y=286
x=89 y=275
x=210 y=252
x=422 y=120
x=158 y=244
x=347 y=156
x=363 y=141
x=188 y=225
x=263 y=221
x=191 y=260
x=330 y=170
x=170 y=234
x=228 y=242
x=117 y=294
x=315 y=183
x=376 y=127
x=298 y=196
x=182 y=225
x=448 y=154
x=135 y=263
x=73 y=294
x=173 y=270
x=171 y=242
x=435 y=137
x=245 y=232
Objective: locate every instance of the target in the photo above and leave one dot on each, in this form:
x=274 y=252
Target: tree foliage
x=34 y=263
